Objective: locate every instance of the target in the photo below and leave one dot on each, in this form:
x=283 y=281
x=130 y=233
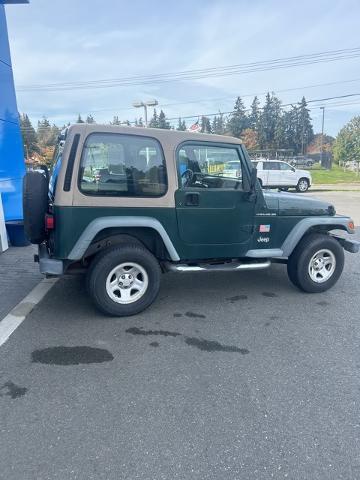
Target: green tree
x=205 y=125
x=181 y=125
x=115 y=120
x=154 y=122
x=347 y=143
x=218 y=124
x=305 y=132
x=90 y=119
x=163 y=123
x=44 y=133
x=29 y=136
x=268 y=121
x=238 y=120
x=79 y=119
x=254 y=115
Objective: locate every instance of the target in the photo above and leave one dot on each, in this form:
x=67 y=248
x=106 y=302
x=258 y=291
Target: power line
x=213 y=72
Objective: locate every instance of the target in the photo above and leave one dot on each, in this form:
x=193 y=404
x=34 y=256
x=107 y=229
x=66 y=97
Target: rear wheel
x=316 y=264
x=303 y=185
x=124 y=280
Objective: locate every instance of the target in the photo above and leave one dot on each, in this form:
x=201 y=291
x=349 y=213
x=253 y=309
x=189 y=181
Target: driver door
x=214 y=214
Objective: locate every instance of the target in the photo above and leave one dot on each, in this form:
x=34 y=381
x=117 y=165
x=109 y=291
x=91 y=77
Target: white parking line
x=18 y=314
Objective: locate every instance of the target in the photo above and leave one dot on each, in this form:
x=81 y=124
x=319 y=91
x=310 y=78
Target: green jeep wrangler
x=126 y=204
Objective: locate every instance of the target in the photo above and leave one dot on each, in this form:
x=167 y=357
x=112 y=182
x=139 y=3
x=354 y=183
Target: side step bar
x=218 y=267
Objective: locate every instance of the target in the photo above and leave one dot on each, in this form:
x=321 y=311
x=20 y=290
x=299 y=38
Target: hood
x=304 y=173
x=292 y=204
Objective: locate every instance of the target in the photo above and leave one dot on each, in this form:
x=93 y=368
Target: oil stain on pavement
x=12 y=390
x=200 y=343
x=236 y=298
x=213 y=346
x=194 y=315
x=269 y=294
x=140 y=331
x=71 y=355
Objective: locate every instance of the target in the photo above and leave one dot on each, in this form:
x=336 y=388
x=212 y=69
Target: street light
x=149 y=103
x=322 y=134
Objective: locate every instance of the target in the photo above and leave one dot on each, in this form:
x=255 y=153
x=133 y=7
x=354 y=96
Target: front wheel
x=303 y=185
x=316 y=263
x=124 y=280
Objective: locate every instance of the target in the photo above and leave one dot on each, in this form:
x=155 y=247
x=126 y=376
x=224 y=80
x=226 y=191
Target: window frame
x=203 y=143
x=136 y=136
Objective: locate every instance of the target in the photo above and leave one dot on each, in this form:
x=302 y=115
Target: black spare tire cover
x=35 y=205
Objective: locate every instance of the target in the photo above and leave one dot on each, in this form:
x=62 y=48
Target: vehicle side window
x=122 y=165
x=209 y=166
x=285 y=166
x=271 y=166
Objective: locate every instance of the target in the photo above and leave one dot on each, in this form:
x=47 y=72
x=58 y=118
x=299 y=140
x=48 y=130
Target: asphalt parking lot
x=226 y=376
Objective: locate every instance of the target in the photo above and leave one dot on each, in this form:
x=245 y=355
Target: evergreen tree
x=163 y=123
x=254 y=116
x=29 y=136
x=154 y=122
x=116 y=121
x=218 y=124
x=79 y=119
x=44 y=133
x=205 y=125
x=90 y=119
x=268 y=121
x=181 y=125
x=238 y=120
x=306 y=132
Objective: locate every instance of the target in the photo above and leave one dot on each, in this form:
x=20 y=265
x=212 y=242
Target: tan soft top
x=169 y=139
x=173 y=137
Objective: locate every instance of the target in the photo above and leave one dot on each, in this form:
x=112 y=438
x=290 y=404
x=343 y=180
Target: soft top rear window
x=122 y=165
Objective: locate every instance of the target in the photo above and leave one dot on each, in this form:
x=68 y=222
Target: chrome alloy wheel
x=127 y=283
x=322 y=266
x=303 y=185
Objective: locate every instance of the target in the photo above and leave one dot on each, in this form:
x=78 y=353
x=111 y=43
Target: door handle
x=192 y=199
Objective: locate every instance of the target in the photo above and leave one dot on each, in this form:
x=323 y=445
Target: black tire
x=300 y=187
x=105 y=262
x=299 y=261
x=35 y=205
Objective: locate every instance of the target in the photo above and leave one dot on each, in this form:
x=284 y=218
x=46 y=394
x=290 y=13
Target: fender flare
x=101 y=223
x=297 y=233
x=300 y=229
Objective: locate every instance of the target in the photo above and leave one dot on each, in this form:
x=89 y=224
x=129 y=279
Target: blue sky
x=66 y=41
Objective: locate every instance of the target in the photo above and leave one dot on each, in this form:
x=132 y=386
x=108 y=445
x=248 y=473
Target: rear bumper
x=47 y=265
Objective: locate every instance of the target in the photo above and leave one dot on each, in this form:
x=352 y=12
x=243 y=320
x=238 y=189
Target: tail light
x=49 y=222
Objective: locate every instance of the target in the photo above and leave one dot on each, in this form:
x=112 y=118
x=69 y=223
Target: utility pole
x=149 y=103
x=322 y=135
